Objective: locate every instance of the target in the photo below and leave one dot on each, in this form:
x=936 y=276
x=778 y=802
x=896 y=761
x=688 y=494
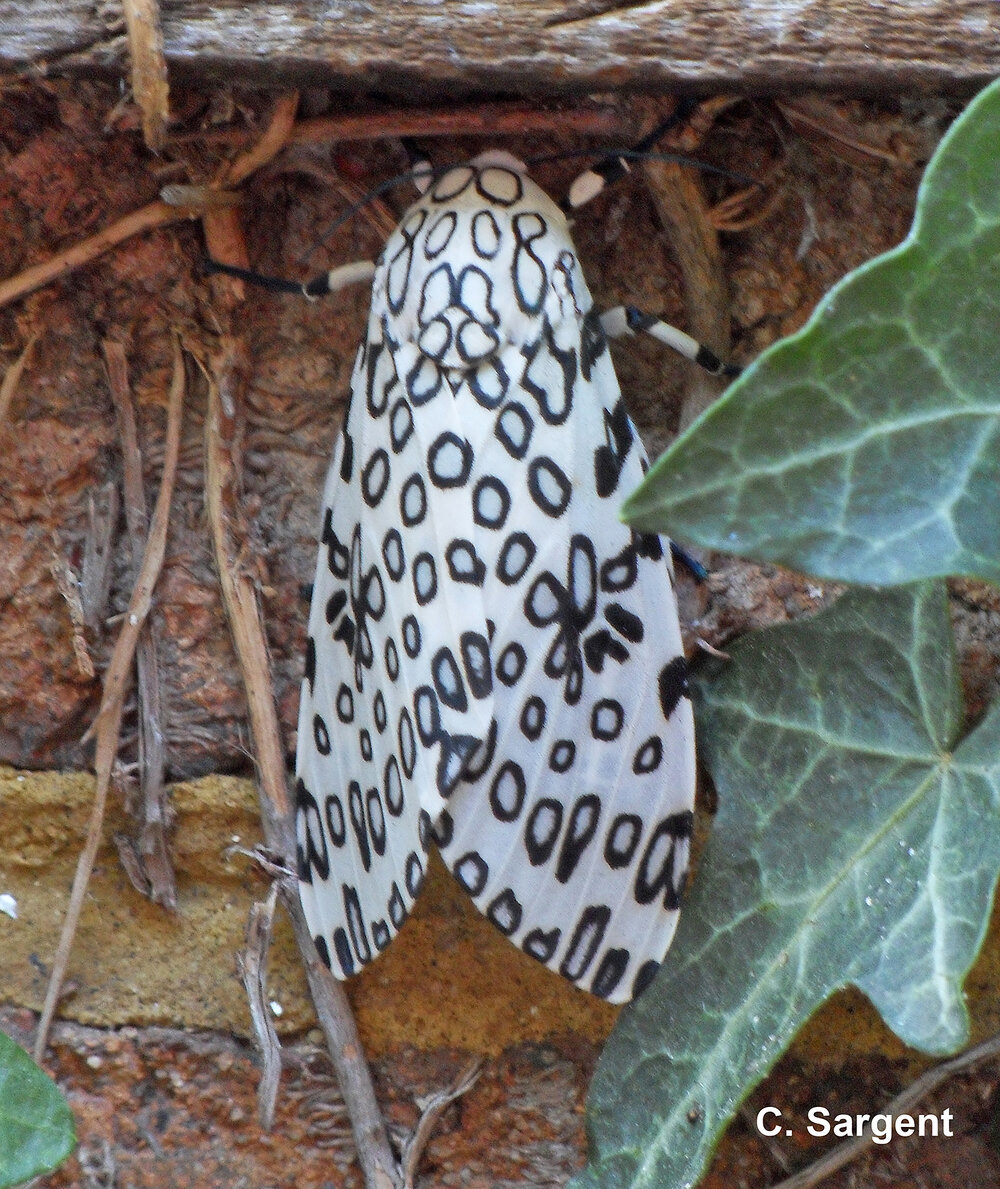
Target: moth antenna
x=421 y=166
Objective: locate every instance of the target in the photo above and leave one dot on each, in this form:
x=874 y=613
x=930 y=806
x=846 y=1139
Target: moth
x=494 y=662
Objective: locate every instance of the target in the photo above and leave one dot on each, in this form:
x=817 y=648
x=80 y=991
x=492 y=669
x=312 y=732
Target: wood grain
x=426 y=48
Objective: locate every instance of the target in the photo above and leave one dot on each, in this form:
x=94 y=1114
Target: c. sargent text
x=883 y=1128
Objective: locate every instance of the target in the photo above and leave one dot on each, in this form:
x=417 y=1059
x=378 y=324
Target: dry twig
x=98 y=553
x=70 y=590
x=154 y=214
x=818 y=121
x=12 y=377
x=223 y=440
x=149 y=68
x=252 y=964
x=152 y=850
x=223 y=230
x=108 y=721
x=479 y=119
x=223 y=428
x=276 y=136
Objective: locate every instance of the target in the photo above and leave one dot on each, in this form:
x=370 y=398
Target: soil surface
x=157 y=1107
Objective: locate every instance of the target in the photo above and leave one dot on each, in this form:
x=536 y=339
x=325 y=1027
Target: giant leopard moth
x=494 y=661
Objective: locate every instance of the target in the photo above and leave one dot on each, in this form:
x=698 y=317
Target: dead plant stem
x=226 y=378
x=108 y=721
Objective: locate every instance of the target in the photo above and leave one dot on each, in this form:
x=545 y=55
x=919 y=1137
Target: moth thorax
x=480 y=263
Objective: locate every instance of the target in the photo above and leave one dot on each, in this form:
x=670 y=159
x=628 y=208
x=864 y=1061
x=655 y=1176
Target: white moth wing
x=548 y=693
x=572 y=833
x=389 y=708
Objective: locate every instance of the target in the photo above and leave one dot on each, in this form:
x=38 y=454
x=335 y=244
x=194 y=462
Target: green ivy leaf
x=855 y=844
x=866 y=448
x=36 y=1127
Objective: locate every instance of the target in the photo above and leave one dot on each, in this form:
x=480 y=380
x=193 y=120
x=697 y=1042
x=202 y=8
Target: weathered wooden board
x=430 y=47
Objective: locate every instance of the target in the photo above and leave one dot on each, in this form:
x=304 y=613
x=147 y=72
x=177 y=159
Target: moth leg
x=625 y=320
x=358 y=272
x=614 y=166
x=691 y=564
x=355 y=273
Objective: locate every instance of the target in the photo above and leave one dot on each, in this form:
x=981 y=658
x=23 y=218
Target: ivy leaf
x=855 y=844
x=866 y=448
x=36 y=1127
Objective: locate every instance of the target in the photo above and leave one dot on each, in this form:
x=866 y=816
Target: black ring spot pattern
x=493 y=661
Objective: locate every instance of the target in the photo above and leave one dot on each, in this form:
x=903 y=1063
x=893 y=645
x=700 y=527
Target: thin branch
x=818 y=121
x=222 y=227
x=343 y=1043
x=276 y=136
x=98 y=555
x=12 y=377
x=924 y=1085
x=480 y=119
x=108 y=721
x=223 y=230
x=154 y=214
x=69 y=588
x=223 y=426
